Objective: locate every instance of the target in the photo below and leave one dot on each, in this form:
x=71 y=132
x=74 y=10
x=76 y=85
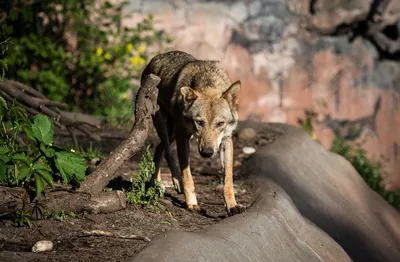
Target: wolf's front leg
x=182 y=142
x=227 y=163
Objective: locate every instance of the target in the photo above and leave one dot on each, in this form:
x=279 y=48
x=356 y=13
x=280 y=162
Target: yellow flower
x=72 y=150
x=142 y=49
x=51 y=143
x=129 y=47
x=314 y=136
x=125 y=95
x=99 y=51
x=137 y=61
x=107 y=56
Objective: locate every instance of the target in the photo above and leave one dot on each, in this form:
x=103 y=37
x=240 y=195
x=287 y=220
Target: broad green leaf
x=39 y=166
x=49 y=152
x=42 y=129
x=23 y=173
x=70 y=166
x=4 y=158
x=28 y=131
x=4 y=150
x=39 y=184
x=46 y=177
x=23 y=158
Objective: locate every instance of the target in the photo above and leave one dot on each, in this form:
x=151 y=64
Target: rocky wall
x=338 y=57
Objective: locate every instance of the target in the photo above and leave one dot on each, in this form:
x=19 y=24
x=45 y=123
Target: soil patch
x=66 y=234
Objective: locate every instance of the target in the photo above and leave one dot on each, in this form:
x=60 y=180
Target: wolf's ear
x=189 y=95
x=232 y=96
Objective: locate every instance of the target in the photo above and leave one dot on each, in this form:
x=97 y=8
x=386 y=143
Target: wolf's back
x=168 y=66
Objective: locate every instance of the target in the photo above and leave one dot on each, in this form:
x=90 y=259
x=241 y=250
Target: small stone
x=248 y=150
x=42 y=245
x=247 y=133
x=237 y=163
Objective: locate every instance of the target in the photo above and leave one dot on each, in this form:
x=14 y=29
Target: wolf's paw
x=236 y=210
x=177 y=185
x=196 y=209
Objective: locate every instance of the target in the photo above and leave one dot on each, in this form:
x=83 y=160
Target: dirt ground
x=66 y=234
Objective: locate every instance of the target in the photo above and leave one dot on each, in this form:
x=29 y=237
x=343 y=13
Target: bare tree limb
x=24 y=88
x=146 y=105
x=23 y=96
x=48 y=102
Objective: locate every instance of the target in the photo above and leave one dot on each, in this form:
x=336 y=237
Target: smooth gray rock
x=302 y=188
x=272 y=229
x=328 y=191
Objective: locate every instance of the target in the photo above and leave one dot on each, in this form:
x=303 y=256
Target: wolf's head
x=210 y=117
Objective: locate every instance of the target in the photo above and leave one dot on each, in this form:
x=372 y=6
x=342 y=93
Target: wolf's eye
x=200 y=122
x=220 y=124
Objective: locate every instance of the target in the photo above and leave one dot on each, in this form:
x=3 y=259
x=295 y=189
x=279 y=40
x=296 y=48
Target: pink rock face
x=286 y=69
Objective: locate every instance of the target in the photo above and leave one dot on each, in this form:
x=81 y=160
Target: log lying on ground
x=16 y=199
x=146 y=105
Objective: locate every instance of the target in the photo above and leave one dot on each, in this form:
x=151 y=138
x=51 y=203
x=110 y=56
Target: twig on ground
x=101 y=233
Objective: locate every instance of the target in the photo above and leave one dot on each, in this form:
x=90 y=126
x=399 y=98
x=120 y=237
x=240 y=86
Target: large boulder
x=301 y=189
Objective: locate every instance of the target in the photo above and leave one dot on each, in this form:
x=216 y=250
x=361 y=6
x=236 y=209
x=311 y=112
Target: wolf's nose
x=207 y=152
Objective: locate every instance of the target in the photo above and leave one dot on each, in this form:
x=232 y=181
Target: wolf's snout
x=207 y=152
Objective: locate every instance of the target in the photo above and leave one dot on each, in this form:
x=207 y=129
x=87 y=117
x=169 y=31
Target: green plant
x=141 y=193
x=91 y=152
x=79 y=52
x=60 y=215
x=3 y=62
x=36 y=160
x=22 y=218
x=370 y=170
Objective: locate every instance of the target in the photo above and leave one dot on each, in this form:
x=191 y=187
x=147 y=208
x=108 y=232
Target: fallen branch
x=35 y=102
x=16 y=199
x=146 y=105
x=101 y=233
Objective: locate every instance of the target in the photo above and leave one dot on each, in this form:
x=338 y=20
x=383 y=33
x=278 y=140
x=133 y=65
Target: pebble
x=247 y=133
x=42 y=245
x=248 y=150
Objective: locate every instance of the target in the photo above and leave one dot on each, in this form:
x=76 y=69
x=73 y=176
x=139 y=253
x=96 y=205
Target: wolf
x=195 y=98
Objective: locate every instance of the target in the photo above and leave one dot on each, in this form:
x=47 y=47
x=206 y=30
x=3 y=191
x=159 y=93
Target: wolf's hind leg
x=166 y=138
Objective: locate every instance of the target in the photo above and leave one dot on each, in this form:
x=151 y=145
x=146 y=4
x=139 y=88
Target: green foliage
x=3 y=62
x=306 y=123
x=141 y=193
x=370 y=170
x=91 y=152
x=37 y=161
x=22 y=218
x=78 y=51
